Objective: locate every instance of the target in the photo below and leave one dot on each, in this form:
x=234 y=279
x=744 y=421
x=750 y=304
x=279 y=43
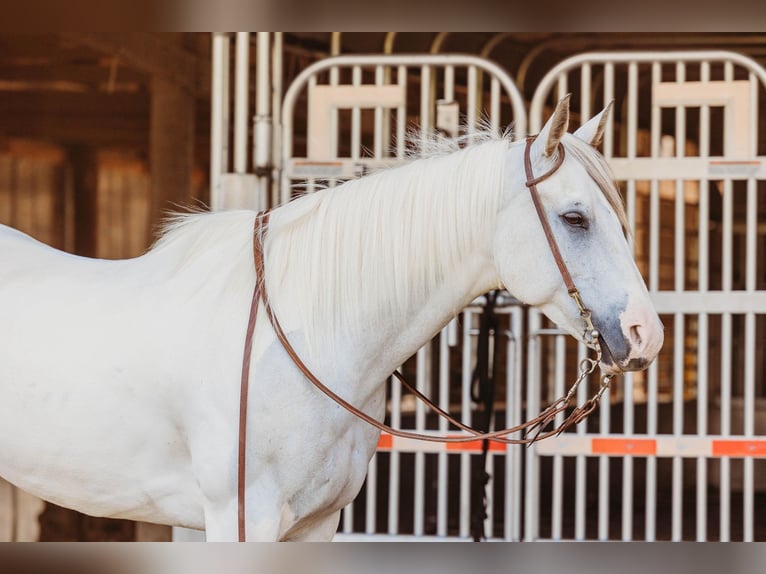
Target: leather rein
x=534 y=427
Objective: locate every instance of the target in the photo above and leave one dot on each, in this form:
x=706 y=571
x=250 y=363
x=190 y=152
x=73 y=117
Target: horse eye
x=575 y=219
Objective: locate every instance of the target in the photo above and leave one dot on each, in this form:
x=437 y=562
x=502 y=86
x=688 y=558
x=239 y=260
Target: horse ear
x=592 y=131
x=555 y=128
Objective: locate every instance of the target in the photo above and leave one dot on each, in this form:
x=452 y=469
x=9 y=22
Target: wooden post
x=171 y=148
x=84 y=165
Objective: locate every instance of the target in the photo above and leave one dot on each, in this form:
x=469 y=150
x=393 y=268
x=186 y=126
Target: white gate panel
x=684 y=145
x=358 y=111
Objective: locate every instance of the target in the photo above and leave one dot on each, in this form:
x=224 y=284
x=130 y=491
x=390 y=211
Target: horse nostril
x=635 y=336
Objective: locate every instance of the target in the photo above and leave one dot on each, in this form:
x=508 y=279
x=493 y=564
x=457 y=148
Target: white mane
x=364 y=251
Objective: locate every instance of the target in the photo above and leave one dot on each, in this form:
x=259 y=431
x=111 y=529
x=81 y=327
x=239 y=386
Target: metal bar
x=277 y=75
x=748 y=498
x=514 y=452
x=378 y=135
x=241 y=100
x=471 y=101
x=494 y=104
x=562 y=85
x=371 y=507
x=581 y=476
x=421 y=383
x=262 y=128
x=532 y=468
x=425 y=100
x=678 y=319
x=465 y=407
x=702 y=318
x=401 y=114
x=628 y=406
x=585 y=92
x=219 y=144
x=558 y=462
x=356 y=117
x=442 y=461
x=394 y=458
x=608 y=97
x=726 y=342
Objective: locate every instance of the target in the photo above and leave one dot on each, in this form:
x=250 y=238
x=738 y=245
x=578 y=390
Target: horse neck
x=386 y=261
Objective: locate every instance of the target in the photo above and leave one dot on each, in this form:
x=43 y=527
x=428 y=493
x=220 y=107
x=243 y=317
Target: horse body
x=119 y=380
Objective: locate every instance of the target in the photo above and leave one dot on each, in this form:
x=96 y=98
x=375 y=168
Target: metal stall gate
x=358 y=111
x=679 y=455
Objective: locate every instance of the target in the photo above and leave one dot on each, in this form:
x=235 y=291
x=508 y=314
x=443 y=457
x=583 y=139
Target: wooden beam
x=171 y=148
x=158 y=54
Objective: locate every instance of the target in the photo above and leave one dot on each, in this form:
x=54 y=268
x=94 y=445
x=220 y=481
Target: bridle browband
x=538 y=424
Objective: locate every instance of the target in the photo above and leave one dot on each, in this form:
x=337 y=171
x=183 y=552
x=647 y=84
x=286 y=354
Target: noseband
x=534 y=427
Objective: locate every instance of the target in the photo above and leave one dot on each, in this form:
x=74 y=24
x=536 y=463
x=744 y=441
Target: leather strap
x=263 y=218
x=531 y=184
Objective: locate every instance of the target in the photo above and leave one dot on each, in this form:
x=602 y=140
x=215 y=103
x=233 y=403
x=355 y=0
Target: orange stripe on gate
x=385 y=442
x=743 y=448
x=475 y=446
x=624 y=446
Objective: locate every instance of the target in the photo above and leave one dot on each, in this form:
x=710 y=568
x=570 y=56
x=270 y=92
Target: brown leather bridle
x=587 y=366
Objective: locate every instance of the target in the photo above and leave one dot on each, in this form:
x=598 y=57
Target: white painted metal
x=703 y=274
x=236 y=186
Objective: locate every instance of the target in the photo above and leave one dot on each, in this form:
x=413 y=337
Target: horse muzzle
x=631 y=343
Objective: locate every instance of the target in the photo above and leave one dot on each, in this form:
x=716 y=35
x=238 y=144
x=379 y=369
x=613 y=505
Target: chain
x=587 y=367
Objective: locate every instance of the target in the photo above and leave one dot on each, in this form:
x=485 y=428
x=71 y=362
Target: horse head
x=581 y=202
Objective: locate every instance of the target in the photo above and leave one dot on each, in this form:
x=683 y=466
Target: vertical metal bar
x=277 y=76
x=654 y=283
x=356 y=116
x=442 y=460
x=532 y=468
x=219 y=145
x=471 y=101
x=379 y=117
x=628 y=406
x=585 y=92
x=513 y=408
x=262 y=126
x=494 y=104
x=401 y=114
x=702 y=319
x=562 y=84
x=421 y=381
x=557 y=502
x=678 y=319
x=608 y=97
x=751 y=254
x=371 y=493
x=581 y=476
x=726 y=338
x=425 y=100
x=394 y=459
x=241 y=101
x=465 y=409
x=449 y=83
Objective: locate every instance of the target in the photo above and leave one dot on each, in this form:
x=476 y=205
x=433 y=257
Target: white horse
x=119 y=380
